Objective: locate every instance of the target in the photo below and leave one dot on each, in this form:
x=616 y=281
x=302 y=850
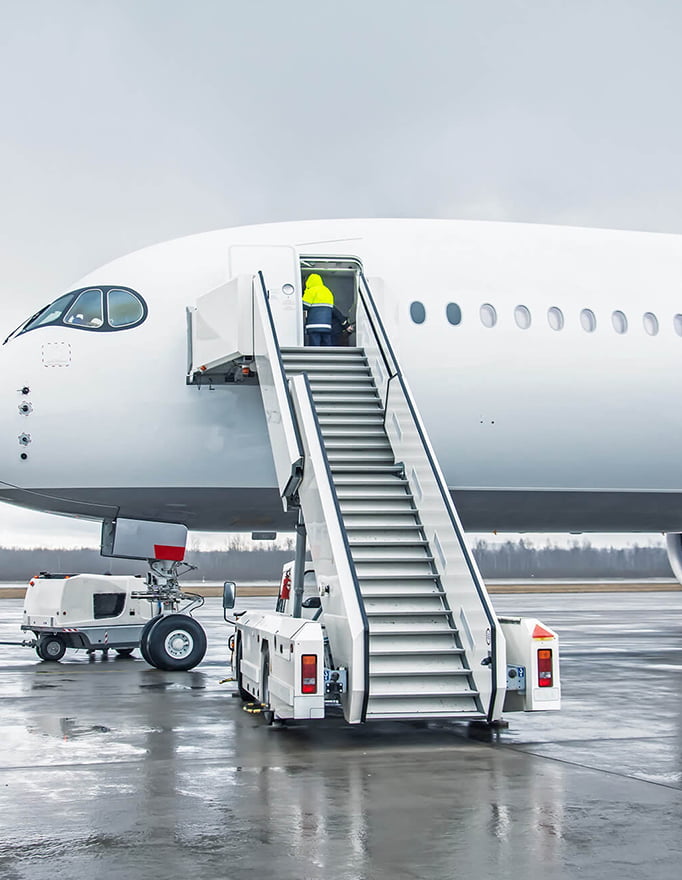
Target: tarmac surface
x=109 y=768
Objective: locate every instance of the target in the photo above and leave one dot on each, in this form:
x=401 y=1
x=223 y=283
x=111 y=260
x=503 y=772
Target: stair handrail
x=395 y=376
x=331 y=554
x=289 y=475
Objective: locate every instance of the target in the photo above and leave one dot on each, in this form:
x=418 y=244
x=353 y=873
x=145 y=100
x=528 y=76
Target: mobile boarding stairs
x=407 y=629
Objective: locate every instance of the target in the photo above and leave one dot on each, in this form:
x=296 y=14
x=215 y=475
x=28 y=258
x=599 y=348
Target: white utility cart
x=91 y=612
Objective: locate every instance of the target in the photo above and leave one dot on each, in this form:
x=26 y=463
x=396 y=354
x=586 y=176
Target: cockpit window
x=87 y=310
x=50 y=313
x=103 y=309
x=124 y=308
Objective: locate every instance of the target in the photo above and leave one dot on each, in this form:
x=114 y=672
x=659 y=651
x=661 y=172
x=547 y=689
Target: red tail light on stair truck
x=545 y=672
x=309 y=674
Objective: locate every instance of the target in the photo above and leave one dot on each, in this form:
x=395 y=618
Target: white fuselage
x=535 y=428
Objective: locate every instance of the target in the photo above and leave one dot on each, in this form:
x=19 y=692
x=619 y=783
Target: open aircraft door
x=280 y=270
x=221 y=325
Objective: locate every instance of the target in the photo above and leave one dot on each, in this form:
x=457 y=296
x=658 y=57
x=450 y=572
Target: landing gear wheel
x=243 y=693
x=124 y=652
x=51 y=648
x=144 y=638
x=176 y=642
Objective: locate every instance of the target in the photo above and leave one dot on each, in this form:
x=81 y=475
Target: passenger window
x=620 y=322
x=522 y=317
x=488 y=315
x=124 y=308
x=650 y=323
x=108 y=604
x=418 y=312
x=555 y=318
x=588 y=320
x=86 y=311
x=677 y=324
x=453 y=313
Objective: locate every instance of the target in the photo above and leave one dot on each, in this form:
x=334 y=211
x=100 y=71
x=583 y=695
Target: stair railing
x=303 y=470
x=284 y=435
x=473 y=613
x=345 y=619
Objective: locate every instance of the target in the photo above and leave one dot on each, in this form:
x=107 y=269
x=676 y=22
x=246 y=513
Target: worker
x=341 y=328
x=318 y=303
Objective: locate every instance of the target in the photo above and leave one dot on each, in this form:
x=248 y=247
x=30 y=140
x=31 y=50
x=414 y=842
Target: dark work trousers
x=322 y=337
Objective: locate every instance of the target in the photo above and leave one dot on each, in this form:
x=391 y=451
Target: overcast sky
x=125 y=123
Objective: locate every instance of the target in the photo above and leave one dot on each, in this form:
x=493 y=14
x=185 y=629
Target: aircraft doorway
x=341 y=275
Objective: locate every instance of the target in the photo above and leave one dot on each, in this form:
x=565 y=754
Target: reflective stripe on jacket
x=318 y=302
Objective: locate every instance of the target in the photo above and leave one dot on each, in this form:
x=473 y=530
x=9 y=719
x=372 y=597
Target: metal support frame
x=299 y=565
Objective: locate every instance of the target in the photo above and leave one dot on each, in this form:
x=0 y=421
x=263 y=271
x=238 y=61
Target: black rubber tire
x=52 y=648
x=124 y=652
x=191 y=638
x=144 y=638
x=265 y=677
x=243 y=693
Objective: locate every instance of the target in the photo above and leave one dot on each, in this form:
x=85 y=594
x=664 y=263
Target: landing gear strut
x=172 y=640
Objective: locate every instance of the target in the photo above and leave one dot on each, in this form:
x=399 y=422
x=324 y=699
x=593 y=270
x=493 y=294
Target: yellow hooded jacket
x=318 y=302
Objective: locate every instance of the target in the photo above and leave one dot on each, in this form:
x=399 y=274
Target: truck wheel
x=51 y=647
x=144 y=638
x=243 y=693
x=124 y=652
x=176 y=642
x=265 y=677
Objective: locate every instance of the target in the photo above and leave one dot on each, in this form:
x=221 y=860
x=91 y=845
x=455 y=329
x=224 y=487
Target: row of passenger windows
x=555 y=318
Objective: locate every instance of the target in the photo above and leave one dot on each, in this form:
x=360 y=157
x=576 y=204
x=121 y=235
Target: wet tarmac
x=113 y=769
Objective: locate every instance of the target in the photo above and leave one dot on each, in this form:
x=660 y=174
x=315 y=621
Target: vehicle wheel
x=265 y=678
x=176 y=642
x=144 y=638
x=51 y=648
x=124 y=652
x=243 y=693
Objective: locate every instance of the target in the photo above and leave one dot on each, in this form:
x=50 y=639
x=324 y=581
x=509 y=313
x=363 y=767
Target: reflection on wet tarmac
x=118 y=770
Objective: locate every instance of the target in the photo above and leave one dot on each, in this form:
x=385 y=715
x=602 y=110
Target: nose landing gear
x=172 y=640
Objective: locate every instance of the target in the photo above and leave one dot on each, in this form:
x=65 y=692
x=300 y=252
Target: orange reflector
x=202 y=368
x=545 y=677
x=541 y=633
x=309 y=674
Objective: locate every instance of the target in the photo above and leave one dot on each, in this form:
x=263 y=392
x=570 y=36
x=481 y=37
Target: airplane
x=542 y=359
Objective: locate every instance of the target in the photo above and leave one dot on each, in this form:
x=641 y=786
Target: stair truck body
x=406 y=628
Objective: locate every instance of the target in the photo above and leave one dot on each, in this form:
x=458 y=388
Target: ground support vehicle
x=89 y=612
x=404 y=627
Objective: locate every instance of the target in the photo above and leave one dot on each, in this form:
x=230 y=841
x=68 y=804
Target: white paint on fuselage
x=505 y=408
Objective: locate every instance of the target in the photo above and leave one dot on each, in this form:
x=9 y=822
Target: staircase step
x=418 y=664
x=397 y=641
x=372 y=491
x=399 y=595
x=360 y=469
x=379 y=563
x=430 y=623
x=457 y=705
x=353 y=431
x=398 y=606
x=361 y=419
x=369 y=480
x=373 y=533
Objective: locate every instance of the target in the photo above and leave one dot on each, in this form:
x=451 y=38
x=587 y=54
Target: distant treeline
x=522 y=559
x=512 y=559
